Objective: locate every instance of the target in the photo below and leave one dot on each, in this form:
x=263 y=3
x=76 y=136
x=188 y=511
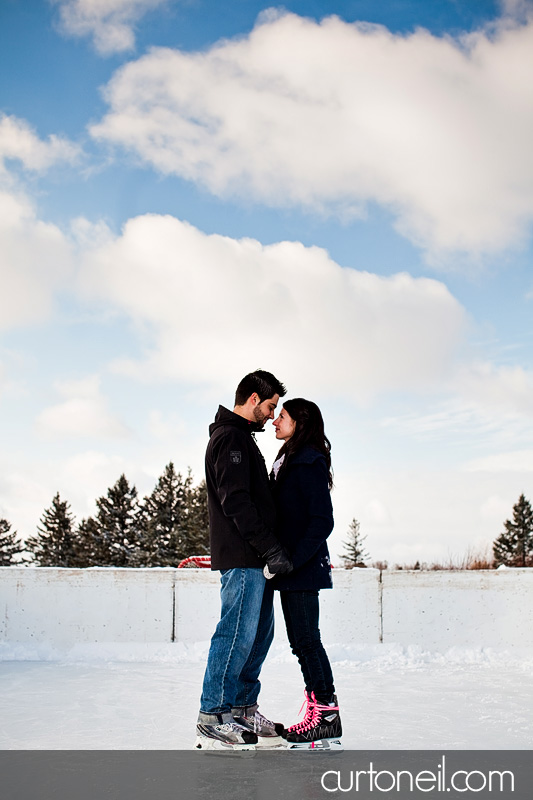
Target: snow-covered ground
x=146 y=696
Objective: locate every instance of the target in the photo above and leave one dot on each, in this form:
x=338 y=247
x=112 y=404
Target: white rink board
x=349 y=613
x=435 y=610
x=66 y=606
x=197 y=604
x=470 y=608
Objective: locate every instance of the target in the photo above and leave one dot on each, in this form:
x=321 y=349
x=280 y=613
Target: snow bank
x=379 y=657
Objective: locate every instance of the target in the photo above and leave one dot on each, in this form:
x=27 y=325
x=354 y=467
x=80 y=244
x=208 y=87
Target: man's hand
x=277 y=562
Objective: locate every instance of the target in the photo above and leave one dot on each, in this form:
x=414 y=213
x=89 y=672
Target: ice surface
x=137 y=696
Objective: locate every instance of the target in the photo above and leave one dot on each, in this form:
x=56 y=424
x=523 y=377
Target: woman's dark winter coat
x=304 y=520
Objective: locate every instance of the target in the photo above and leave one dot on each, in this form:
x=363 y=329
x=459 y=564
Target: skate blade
x=269 y=742
x=205 y=743
x=320 y=745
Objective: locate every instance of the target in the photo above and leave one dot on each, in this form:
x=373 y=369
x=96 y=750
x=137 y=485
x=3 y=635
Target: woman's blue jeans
x=240 y=642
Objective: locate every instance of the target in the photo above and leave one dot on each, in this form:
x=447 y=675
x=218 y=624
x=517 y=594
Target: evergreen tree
x=91 y=546
x=173 y=521
x=10 y=545
x=354 y=552
x=514 y=547
x=54 y=544
x=179 y=543
x=197 y=521
x=161 y=518
x=117 y=524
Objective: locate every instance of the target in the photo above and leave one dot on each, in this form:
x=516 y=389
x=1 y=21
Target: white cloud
x=459 y=420
x=27 y=485
x=499 y=387
x=83 y=412
x=516 y=461
x=495 y=507
x=35 y=256
x=484 y=403
x=333 y=115
x=165 y=429
x=23 y=495
x=520 y=10
x=27 y=488
x=211 y=308
x=377 y=511
x=87 y=475
x=110 y=23
x=19 y=142
x=35 y=260
x=433 y=513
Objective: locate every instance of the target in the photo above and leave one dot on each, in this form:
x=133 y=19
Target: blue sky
x=339 y=192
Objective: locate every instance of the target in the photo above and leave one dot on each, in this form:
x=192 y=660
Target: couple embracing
x=267 y=534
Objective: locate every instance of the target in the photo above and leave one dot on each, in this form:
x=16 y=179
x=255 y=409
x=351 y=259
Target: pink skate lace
x=313 y=715
x=309 y=714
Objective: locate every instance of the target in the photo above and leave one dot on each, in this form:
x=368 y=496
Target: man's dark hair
x=264 y=383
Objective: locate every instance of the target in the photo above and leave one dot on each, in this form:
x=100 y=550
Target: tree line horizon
x=158 y=531
x=172 y=524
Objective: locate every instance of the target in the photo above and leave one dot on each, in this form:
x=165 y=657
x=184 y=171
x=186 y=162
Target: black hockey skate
x=221 y=732
x=320 y=729
x=268 y=733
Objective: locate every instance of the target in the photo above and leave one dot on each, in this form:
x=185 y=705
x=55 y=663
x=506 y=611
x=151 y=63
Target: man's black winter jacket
x=241 y=508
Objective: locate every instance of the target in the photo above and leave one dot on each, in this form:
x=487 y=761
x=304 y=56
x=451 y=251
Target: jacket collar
x=226 y=417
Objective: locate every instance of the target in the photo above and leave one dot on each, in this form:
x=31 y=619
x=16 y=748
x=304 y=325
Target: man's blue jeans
x=240 y=642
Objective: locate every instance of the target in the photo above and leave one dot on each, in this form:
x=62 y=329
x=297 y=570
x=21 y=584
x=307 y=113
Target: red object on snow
x=196 y=561
x=200 y=561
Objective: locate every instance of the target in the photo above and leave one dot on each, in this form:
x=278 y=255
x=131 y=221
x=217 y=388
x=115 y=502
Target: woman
x=302 y=479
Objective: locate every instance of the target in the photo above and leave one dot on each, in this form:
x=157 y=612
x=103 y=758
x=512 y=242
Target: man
x=241 y=523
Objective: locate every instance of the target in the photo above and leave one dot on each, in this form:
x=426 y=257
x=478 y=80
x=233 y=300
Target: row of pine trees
x=172 y=524
x=165 y=527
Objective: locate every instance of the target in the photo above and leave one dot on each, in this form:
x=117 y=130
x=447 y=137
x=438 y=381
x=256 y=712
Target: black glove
x=277 y=562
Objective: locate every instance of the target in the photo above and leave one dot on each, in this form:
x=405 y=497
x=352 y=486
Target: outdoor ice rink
x=146 y=696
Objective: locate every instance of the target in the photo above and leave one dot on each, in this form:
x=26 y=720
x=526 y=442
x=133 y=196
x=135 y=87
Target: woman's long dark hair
x=309 y=431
